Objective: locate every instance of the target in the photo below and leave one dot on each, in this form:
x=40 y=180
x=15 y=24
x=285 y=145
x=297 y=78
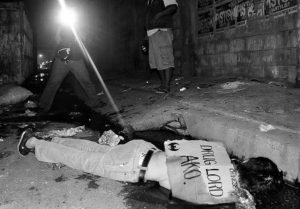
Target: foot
x=22 y=148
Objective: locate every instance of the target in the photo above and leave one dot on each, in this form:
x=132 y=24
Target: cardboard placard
x=200 y=171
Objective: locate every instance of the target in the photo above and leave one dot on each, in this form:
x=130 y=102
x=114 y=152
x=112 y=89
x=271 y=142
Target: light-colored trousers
x=121 y=162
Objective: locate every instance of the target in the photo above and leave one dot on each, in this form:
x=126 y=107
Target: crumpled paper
x=232 y=85
x=266 y=128
x=66 y=132
x=110 y=138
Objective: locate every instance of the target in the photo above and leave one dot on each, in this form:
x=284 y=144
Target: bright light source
x=68 y=17
x=40 y=55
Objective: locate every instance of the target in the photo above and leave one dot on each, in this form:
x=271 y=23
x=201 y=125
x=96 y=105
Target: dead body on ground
x=196 y=171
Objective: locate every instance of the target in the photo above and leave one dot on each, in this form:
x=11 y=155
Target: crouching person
x=195 y=171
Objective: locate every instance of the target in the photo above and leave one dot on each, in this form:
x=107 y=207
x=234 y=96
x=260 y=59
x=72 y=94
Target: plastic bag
x=11 y=94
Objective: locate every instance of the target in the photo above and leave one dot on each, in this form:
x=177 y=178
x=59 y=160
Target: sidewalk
x=251 y=118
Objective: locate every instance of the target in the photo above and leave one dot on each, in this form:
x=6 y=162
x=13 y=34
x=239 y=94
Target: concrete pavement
x=251 y=118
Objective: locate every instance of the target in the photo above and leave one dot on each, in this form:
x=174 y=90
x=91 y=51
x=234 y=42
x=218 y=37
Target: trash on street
x=100 y=93
x=30 y=113
x=30 y=104
x=11 y=94
x=178 y=79
x=110 y=138
x=232 y=85
x=266 y=128
x=125 y=90
x=66 y=132
x=182 y=89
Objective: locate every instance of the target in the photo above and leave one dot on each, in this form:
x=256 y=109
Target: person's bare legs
x=168 y=78
x=162 y=78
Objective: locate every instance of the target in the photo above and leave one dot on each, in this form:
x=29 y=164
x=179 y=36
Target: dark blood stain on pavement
x=93 y=185
x=91 y=178
x=87 y=176
x=61 y=178
x=33 y=189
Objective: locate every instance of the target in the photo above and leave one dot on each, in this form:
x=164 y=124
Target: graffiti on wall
x=204 y=3
x=224 y=15
x=275 y=6
x=205 y=22
x=249 y=9
x=231 y=13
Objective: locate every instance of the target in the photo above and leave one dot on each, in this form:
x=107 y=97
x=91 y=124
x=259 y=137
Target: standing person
x=159 y=24
x=68 y=59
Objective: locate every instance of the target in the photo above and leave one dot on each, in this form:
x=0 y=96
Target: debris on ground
x=178 y=79
x=125 y=90
x=266 y=128
x=232 y=85
x=100 y=93
x=276 y=83
x=56 y=166
x=75 y=113
x=12 y=94
x=66 y=132
x=182 y=89
x=30 y=104
x=30 y=113
x=110 y=138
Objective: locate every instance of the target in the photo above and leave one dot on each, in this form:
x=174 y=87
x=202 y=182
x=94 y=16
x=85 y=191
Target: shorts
x=161 y=50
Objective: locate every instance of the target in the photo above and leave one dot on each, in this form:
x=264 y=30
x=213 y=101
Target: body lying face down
x=195 y=171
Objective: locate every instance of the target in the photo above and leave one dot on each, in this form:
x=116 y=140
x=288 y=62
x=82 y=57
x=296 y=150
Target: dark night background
x=114 y=30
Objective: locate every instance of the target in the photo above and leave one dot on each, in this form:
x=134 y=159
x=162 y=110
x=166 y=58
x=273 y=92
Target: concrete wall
x=250 y=38
x=16 y=48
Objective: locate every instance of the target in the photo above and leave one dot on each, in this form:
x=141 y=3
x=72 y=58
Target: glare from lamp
x=68 y=17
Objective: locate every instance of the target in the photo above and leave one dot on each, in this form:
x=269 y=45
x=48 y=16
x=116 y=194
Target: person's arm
x=170 y=10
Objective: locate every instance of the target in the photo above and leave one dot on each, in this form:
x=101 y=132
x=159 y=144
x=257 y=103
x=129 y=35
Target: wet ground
x=27 y=183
